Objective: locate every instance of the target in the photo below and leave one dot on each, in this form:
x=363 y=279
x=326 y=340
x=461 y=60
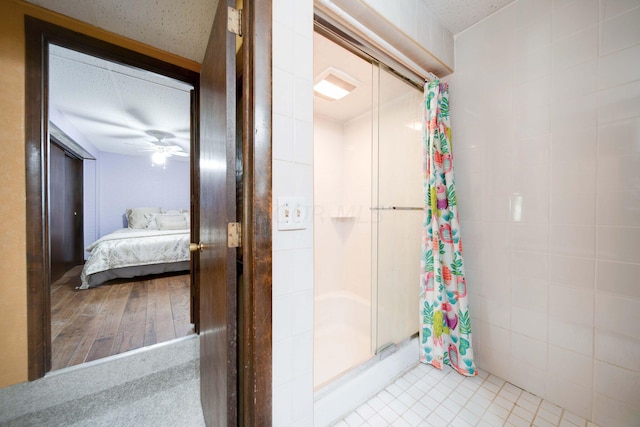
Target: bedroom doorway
x=68 y=326
x=134 y=276
x=247 y=354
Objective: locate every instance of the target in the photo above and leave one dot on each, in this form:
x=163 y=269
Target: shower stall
x=368 y=213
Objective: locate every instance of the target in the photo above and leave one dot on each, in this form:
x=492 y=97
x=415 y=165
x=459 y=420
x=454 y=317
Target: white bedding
x=132 y=247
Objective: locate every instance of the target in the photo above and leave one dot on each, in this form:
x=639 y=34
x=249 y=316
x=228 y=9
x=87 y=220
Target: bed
x=158 y=243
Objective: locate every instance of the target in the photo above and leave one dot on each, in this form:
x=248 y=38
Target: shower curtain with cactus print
x=445 y=332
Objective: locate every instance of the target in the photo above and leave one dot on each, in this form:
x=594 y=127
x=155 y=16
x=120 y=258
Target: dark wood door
x=218 y=295
x=65 y=211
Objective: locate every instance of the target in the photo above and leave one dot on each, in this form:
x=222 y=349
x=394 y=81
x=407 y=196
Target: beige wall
x=13 y=263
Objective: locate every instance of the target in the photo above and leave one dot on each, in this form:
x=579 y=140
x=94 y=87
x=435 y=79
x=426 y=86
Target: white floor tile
x=426 y=396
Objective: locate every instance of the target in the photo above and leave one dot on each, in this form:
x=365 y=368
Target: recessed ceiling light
x=333 y=84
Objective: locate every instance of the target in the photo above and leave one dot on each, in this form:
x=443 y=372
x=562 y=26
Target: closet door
x=65 y=211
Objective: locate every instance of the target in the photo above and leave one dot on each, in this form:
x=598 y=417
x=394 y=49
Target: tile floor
x=425 y=396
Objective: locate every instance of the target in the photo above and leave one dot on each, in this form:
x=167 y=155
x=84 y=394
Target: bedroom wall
x=13 y=259
x=131 y=182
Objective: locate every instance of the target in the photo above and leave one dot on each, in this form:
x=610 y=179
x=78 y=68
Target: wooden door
x=218 y=295
x=65 y=211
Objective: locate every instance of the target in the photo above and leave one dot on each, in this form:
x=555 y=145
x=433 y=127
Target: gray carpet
x=159 y=386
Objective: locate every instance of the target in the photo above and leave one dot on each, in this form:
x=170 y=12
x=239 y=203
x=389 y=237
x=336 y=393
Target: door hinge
x=234 y=235
x=234 y=21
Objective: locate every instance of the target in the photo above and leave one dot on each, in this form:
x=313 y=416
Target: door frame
x=255 y=314
x=38 y=35
x=255 y=291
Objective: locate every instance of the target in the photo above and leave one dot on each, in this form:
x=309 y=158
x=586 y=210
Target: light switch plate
x=292 y=213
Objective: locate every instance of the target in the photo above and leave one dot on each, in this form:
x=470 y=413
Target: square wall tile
x=612 y=412
x=283 y=281
x=575 y=208
x=532 y=324
x=570 y=395
x=528 y=377
x=572 y=271
x=620 y=102
x=619 y=244
x=303 y=18
x=282 y=129
x=617 y=314
x=619 y=139
x=573 y=305
x=532 y=64
x=530 y=237
x=283 y=102
x=529 y=350
x=571 y=336
x=574 y=17
x=530 y=264
x=529 y=292
x=620 y=32
x=618 y=383
x=570 y=365
x=612 y=8
x=528 y=11
x=283 y=38
x=282 y=354
x=618 y=278
x=572 y=240
x=574 y=113
x=579 y=48
x=576 y=81
x=620 y=67
x=617 y=350
x=282 y=12
x=303 y=146
x=282 y=401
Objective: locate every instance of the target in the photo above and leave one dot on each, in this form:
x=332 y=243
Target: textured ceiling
x=112 y=106
x=458 y=15
x=182 y=26
x=178 y=26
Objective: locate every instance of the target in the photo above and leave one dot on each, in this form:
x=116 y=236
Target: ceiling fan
x=162 y=149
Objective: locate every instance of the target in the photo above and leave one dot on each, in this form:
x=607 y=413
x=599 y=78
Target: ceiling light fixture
x=159 y=159
x=333 y=84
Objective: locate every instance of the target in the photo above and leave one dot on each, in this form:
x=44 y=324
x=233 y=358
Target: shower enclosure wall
x=368 y=221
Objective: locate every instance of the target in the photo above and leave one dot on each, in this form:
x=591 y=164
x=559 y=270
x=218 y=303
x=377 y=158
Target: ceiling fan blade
x=116 y=136
x=140 y=116
x=179 y=153
x=96 y=119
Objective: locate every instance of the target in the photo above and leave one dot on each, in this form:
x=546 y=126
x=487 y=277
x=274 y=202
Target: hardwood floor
x=120 y=316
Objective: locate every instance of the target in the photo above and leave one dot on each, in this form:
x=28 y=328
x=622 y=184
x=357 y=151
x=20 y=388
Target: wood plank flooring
x=123 y=315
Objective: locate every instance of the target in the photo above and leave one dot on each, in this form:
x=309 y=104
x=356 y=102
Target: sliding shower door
x=396 y=211
x=367 y=212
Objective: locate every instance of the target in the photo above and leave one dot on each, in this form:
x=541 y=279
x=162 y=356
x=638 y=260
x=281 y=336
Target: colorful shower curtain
x=445 y=332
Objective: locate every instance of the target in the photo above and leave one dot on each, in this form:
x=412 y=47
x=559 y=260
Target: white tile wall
x=566 y=149
x=292 y=176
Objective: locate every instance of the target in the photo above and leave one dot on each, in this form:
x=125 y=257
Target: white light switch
x=292 y=213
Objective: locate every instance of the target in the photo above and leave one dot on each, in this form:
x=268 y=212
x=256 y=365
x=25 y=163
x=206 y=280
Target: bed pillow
x=137 y=217
x=171 y=222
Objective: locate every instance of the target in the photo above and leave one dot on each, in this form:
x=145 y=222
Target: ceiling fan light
x=158 y=158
